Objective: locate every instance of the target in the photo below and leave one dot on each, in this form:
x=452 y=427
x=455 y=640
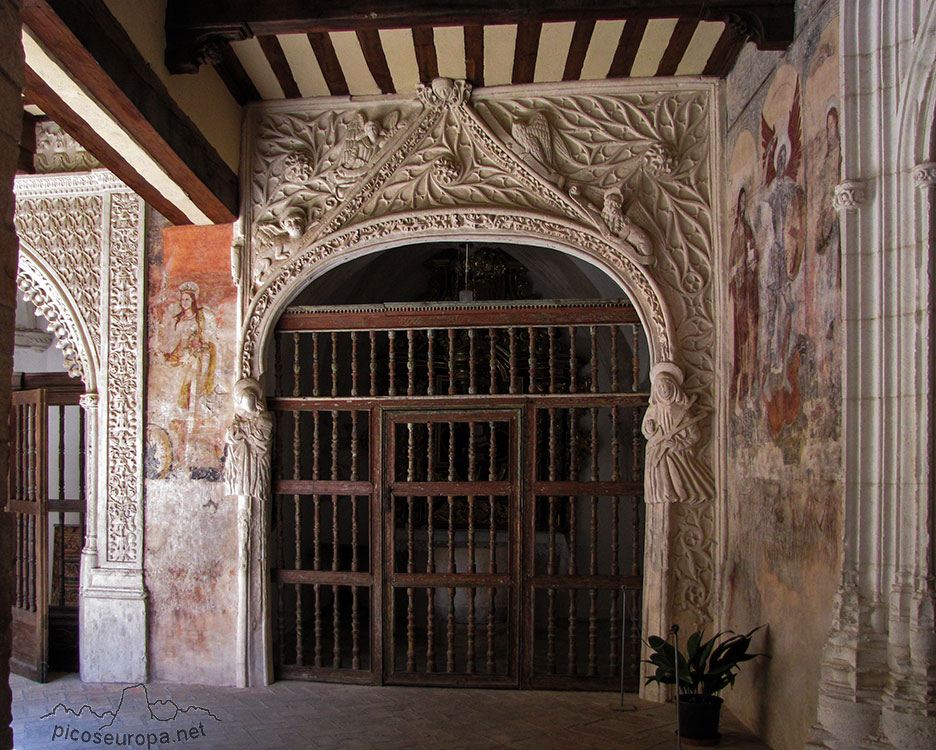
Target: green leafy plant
x=705 y=668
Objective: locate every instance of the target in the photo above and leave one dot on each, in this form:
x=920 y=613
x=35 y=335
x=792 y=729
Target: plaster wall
x=202 y=96
x=191 y=533
x=782 y=370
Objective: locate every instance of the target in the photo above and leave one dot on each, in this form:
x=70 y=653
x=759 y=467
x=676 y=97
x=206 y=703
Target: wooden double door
x=446 y=518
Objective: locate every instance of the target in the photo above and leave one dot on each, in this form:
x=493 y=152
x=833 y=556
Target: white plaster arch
x=43 y=287
x=462 y=225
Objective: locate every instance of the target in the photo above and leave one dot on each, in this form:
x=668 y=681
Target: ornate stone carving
x=674 y=473
x=51 y=306
x=65 y=231
x=624 y=175
x=924 y=175
x=247 y=476
x=849 y=195
x=247 y=467
x=124 y=380
x=57 y=151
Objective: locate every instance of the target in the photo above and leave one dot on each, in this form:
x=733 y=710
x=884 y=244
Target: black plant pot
x=698 y=718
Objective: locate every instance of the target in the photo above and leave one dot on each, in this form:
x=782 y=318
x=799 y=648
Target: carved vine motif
x=66 y=233
x=304 y=168
x=123 y=381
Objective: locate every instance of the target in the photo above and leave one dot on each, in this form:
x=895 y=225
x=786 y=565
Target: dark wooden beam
x=726 y=51
x=96 y=50
x=682 y=35
x=191 y=24
x=27 y=146
x=232 y=73
x=50 y=103
x=328 y=61
x=581 y=38
x=376 y=59
x=277 y=59
x=628 y=45
x=528 y=35
x=474 y=54
x=424 y=42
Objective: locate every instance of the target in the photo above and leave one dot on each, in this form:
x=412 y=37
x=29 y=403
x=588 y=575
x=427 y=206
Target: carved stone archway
x=81 y=265
x=620 y=175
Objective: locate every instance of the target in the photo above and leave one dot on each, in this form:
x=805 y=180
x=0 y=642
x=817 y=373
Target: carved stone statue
x=247 y=476
x=614 y=223
x=247 y=468
x=674 y=473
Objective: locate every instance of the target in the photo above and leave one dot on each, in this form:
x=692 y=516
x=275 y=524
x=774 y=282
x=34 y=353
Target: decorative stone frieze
x=57 y=151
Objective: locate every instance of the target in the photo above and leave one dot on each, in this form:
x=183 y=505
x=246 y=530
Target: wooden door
x=28 y=493
x=451 y=547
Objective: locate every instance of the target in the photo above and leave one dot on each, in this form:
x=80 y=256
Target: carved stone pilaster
x=247 y=477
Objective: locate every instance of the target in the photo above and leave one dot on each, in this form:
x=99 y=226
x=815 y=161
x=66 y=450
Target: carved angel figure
x=674 y=474
x=249 y=439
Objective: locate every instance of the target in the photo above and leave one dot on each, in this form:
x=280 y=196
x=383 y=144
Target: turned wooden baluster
x=593 y=527
x=615 y=506
x=472 y=476
x=430 y=557
x=410 y=554
x=450 y=623
x=492 y=546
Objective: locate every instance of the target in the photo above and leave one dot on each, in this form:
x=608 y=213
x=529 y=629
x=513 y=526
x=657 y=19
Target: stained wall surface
x=783 y=371
x=191 y=533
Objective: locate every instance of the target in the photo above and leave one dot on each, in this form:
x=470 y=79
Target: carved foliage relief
x=124 y=379
x=66 y=232
x=624 y=175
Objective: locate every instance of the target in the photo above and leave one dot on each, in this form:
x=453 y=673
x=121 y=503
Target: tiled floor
x=314 y=715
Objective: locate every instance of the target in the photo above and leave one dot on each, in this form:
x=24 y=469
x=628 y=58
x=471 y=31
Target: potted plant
x=704 y=670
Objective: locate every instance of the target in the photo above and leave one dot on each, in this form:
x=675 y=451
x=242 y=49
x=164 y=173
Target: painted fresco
x=783 y=374
x=191 y=546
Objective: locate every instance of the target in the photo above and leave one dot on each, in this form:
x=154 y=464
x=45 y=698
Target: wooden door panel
x=28 y=493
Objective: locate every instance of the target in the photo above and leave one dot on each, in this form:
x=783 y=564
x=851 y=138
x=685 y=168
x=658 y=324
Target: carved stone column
x=247 y=478
x=878 y=673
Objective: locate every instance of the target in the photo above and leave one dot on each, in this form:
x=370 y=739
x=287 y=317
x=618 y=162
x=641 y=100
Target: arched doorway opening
x=458 y=485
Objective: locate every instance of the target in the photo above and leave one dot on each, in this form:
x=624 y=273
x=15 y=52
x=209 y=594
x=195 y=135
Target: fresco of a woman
x=192 y=348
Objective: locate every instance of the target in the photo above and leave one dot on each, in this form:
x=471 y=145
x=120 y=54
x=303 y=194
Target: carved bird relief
x=535 y=138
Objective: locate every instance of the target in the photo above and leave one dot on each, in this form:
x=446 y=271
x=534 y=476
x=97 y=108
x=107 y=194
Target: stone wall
x=191 y=534
x=11 y=84
x=783 y=370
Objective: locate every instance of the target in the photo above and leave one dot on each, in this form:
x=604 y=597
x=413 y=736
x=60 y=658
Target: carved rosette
x=536 y=167
x=124 y=379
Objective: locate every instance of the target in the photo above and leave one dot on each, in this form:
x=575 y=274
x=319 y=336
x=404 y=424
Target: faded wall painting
x=782 y=325
x=191 y=546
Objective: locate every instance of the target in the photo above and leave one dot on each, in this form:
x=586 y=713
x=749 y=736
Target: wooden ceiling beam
x=192 y=25
x=98 y=53
x=50 y=102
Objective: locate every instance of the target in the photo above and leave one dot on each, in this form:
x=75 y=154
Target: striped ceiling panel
x=387 y=61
